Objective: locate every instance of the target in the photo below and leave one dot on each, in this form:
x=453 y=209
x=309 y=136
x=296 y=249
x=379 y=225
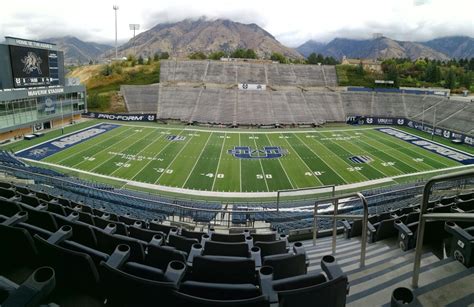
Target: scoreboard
x=33 y=67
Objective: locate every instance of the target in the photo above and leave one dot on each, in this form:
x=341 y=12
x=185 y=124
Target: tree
x=250 y=54
x=432 y=73
x=450 y=79
x=278 y=57
x=197 y=56
x=392 y=75
x=164 y=55
x=238 y=53
x=156 y=57
x=360 y=69
x=91 y=62
x=312 y=58
x=217 y=55
x=466 y=79
x=140 y=60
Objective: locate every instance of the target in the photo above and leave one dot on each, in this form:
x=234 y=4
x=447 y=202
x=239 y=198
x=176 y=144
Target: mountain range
x=77 y=51
x=202 y=35
x=384 y=48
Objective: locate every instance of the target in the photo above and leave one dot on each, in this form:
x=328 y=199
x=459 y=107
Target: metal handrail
x=436 y=216
x=332 y=187
x=335 y=216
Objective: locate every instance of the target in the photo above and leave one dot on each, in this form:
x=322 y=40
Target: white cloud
x=292 y=22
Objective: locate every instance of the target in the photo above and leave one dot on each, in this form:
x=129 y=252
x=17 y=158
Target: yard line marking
x=240 y=167
x=304 y=162
x=336 y=155
x=287 y=177
x=156 y=155
x=95 y=145
x=197 y=160
x=106 y=148
x=152 y=143
x=321 y=159
x=218 y=162
x=107 y=160
x=399 y=148
x=261 y=165
x=175 y=157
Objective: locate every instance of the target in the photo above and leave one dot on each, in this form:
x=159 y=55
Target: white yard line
x=175 y=157
x=335 y=155
x=240 y=168
x=128 y=160
x=107 y=160
x=281 y=164
x=245 y=194
x=261 y=165
x=304 y=162
x=323 y=160
x=219 y=162
x=156 y=155
x=197 y=160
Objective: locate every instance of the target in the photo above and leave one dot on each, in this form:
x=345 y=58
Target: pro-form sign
x=49 y=148
x=453 y=154
x=32 y=67
x=252 y=87
x=124 y=117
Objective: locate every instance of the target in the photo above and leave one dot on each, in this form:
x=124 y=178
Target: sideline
x=245 y=194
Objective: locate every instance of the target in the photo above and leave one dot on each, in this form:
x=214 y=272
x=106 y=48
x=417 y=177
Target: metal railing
x=424 y=217
x=335 y=216
x=332 y=187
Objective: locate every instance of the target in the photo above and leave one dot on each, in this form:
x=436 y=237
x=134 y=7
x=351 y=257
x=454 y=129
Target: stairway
x=443 y=282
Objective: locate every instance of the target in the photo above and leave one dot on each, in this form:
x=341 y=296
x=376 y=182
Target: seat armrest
x=346 y=225
x=403 y=228
x=119 y=256
x=265 y=279
x=175 y=271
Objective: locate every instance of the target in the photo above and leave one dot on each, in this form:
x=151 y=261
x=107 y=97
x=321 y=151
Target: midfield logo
x=175 y=138
x=268 y=152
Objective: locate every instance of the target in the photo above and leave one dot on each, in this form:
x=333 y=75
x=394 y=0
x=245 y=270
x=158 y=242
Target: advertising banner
x=146 y=117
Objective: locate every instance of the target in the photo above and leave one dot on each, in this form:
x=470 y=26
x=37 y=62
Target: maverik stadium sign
x=398 y=121
x=124 y=117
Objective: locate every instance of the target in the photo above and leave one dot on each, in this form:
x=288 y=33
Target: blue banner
x=51 y=147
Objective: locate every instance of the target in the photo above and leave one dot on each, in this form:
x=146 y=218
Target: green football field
x=209 y=160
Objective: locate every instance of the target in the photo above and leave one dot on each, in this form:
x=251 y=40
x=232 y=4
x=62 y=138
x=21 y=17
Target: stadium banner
x=252 y=87
x=453 y=154
x=146 y=117
x=361 y=120
x=398 y=121
x=51 y=147
x=447 y=134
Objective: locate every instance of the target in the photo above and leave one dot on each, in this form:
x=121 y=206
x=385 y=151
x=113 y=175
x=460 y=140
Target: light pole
x=134 y=27
x=115 y=7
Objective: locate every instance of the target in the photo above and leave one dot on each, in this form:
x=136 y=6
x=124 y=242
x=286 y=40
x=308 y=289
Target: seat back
x=39 y=218
x=181 y=243
x=74 y=270
x=192 y=234
x=199 y=294
x=228 y=238
x=286 y=265
x=7 y=192
x=233 y=270
x=19 y=248
x=160 y=256
x=82 y=232
x=8 y=207
x=301 y=291
x=160 y=227
x=272 y=248
x=124 y=289
x=386 y=229
x=102 y=223
x=107 y=244
x=143 y=234
x=30 y=200
x=264 y=237
x=226 y=249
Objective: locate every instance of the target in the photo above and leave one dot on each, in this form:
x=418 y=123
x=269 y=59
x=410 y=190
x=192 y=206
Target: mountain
x=188 y=36
x=309 y=47
x=458 y=47
x=77 y=51
x=379 y=48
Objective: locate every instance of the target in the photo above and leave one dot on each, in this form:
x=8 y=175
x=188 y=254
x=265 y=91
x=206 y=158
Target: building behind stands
x=34 y=93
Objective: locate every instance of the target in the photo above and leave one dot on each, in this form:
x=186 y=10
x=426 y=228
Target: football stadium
x=231 y=183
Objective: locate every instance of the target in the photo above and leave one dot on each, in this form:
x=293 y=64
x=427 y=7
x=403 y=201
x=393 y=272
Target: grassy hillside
x=103 y=82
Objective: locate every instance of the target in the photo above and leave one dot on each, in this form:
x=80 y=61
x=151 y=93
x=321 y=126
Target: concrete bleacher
x=140 y=98
x=273 y=74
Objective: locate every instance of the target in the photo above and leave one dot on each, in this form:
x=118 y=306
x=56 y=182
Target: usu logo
x=268 y=152
x=175 y=138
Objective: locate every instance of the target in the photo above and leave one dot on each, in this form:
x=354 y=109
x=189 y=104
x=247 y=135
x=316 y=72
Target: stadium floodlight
x=134 y=27
x=115 y=7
